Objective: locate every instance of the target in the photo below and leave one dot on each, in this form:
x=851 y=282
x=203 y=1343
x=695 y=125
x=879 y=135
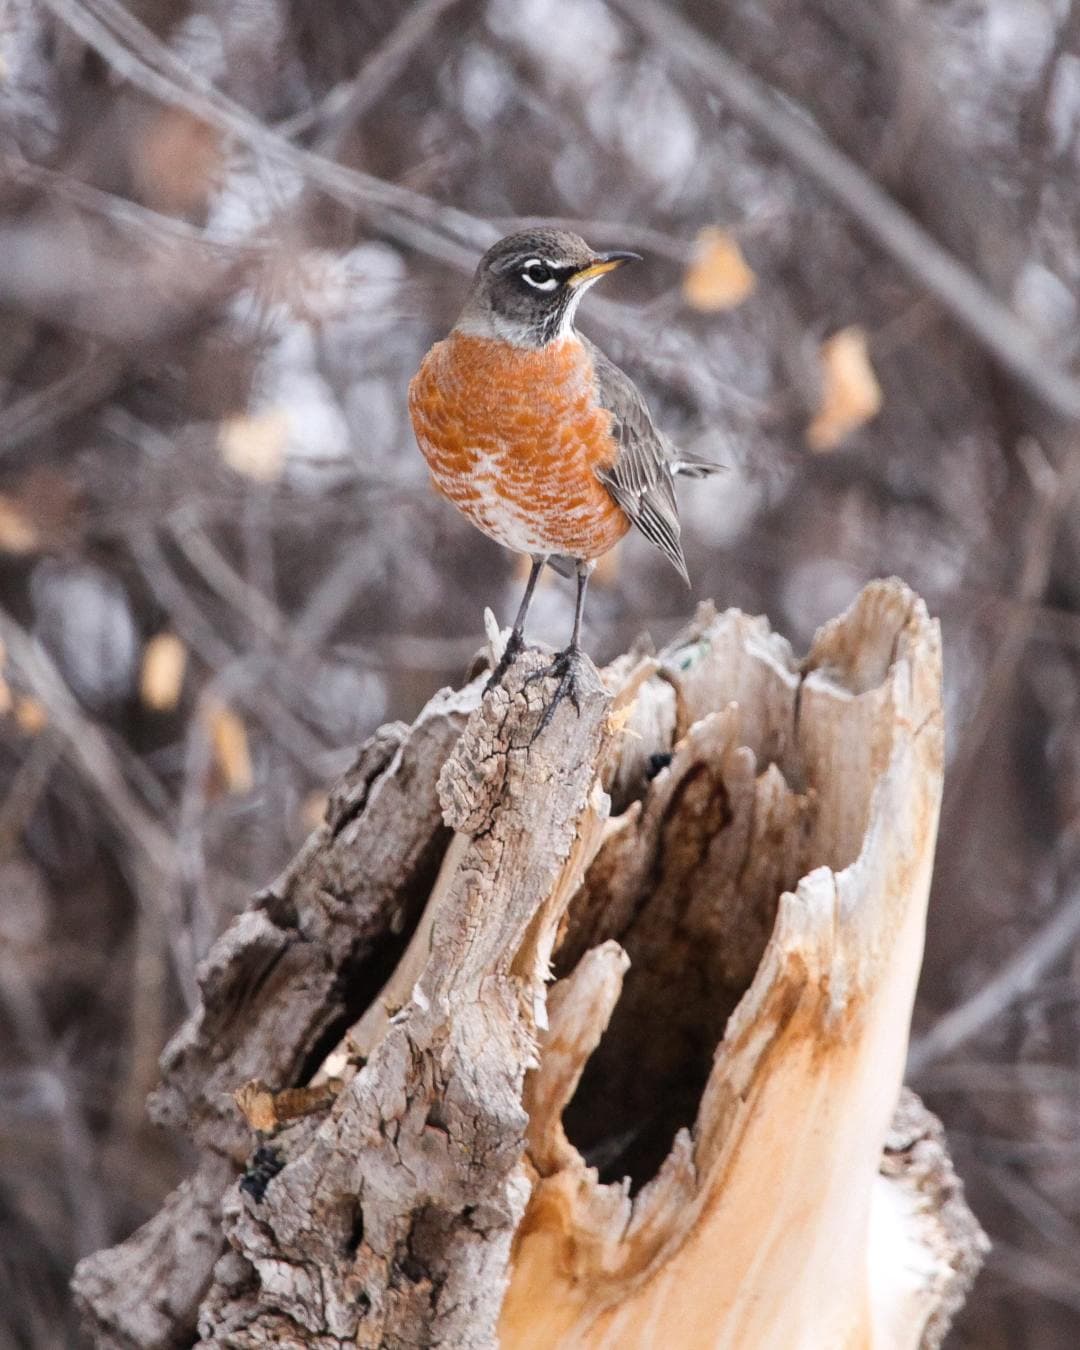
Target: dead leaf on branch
x=851 y=394
x=718 y=277
x=228 y=738
x=163 y=665
x=177 y=161
x=31 y=715
x=18 y=534
x=266 y=1110
x=254 y=444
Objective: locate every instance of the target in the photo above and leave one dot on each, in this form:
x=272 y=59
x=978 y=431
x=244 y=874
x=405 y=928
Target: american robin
x=539 y=439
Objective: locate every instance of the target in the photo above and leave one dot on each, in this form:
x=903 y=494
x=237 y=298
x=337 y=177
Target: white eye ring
x=548 y=284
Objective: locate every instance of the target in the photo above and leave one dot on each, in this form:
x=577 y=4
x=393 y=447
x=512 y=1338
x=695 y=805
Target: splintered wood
x=692 y=1137
x=762 y=907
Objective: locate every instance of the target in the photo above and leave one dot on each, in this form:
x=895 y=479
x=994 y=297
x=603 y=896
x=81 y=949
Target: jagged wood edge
x=445 y=1263
x=272 y=987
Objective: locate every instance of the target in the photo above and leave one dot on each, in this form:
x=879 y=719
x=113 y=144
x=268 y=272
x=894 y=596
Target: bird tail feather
x=694 y=466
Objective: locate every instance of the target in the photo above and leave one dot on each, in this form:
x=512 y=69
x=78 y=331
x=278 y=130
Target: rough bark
x=693 y=1136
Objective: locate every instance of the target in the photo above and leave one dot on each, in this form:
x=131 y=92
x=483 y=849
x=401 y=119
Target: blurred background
x=229 y=230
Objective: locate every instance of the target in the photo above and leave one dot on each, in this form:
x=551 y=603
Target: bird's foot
x=567 y=668
x=515 y=645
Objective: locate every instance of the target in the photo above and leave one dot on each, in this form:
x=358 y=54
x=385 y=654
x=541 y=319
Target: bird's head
x=528 y=286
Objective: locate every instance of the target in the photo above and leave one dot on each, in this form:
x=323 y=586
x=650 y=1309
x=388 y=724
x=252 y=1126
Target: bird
x=538 y=438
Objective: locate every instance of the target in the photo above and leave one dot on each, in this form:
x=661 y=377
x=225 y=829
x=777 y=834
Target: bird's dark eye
x=539 y=275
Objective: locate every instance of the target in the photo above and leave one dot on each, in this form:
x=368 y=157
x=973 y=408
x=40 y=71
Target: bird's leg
x=567 y=664
x=516 y=641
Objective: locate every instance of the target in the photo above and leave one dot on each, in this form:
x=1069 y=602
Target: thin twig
x=153 y=860
x=90 y=381
x=58 y=1096
x=85 y=745
x=301 y=743
x=146 y=62
x=27 y=784
x=981 y=1077
x=409 y=651
x=446 y=234
x=793 y=132
x=222 y=578
x=299 y=637
x=348 y=101
x=122 y=212
x=1049 y=1279
x=1039 y=1212
x=1055 y=491
x=330 y=597
x=1016 y=977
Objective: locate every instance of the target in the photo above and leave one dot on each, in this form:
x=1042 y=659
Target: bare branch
x=140 y=57
x=1017 y=977
x=246 y=677
x=792 y=131
x=86 y=384
x=88 y=751
x=348 y=101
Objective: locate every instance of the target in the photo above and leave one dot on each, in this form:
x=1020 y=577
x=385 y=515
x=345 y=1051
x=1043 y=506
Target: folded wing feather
x=642 y=478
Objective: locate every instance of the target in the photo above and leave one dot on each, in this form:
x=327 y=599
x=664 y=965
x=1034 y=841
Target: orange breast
x=514 y=439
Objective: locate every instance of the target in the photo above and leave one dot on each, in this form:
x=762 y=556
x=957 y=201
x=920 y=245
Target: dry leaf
x=718 y=277
x=176 y=161
x=228 y=737
x=18 y=533
x=39 y=513
x=31 y=716
x=7 y=698
x=267 y=1111
x=850 y=395
x=163 y=665
x=256 y=1103
x=254 y=444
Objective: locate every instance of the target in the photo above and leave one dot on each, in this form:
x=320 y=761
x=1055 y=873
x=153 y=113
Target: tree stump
x=692 y=1136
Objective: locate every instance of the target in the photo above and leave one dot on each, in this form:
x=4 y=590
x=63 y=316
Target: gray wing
x=642 y=478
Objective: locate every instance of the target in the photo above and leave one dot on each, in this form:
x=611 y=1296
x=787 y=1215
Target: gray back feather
x=641 y=480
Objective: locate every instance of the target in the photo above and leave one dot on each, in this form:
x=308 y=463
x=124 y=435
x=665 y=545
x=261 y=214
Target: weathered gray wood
x=736 y=950
x=146 y=1292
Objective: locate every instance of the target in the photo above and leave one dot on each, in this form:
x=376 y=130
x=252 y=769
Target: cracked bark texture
x=694 y=1136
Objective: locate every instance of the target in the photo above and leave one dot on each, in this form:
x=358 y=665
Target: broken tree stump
x=693 y=1137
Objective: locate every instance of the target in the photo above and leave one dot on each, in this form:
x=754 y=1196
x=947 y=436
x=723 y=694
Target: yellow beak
x=605 y=262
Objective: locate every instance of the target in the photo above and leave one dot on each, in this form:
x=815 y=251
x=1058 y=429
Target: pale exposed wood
x=823 y=785
x=736 y=950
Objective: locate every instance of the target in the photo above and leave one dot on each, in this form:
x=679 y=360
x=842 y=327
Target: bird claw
x=515 y=645
x=567 y=668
